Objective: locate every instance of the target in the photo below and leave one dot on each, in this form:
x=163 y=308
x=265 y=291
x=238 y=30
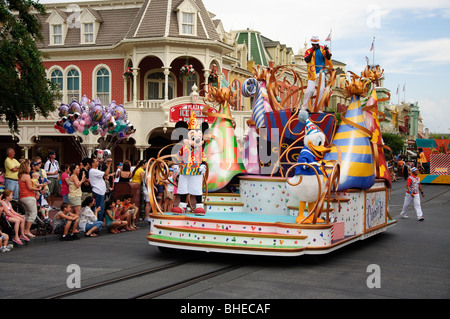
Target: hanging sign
x=182 y=112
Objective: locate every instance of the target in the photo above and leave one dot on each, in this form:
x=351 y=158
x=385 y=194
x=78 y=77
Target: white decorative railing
x=149 y=104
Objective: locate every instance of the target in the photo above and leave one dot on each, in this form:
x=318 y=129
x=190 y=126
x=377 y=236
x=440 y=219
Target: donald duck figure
x=306 y=183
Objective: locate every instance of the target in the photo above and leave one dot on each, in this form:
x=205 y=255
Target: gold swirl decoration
x=356 y=86
x=274 y=76
x=221 y=96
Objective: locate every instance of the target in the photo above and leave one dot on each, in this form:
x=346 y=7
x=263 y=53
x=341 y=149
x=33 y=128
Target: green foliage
x=24 y=89
x=395 y=142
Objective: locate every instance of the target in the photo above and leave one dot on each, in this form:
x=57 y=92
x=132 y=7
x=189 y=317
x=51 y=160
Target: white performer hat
x=315 y=39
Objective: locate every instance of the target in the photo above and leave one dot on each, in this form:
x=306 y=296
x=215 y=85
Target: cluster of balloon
x=85 y=117
x=102 y=155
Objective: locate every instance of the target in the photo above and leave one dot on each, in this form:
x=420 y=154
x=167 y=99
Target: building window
x=88 y=33
x=57 y=34
x=73 y=85
x=156 y=86
x=189 y=83
x=188 y=23
x=103 y=87
x=57 y=78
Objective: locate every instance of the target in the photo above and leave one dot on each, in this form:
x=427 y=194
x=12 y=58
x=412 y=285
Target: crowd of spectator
x=32 y=187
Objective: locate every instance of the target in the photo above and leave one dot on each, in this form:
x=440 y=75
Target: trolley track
x=154 y=277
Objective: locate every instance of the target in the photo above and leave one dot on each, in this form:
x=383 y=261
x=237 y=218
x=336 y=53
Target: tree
x=24 y=88
x=395 y=142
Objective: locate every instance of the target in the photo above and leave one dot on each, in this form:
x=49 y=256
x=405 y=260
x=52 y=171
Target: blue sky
x=412 y=40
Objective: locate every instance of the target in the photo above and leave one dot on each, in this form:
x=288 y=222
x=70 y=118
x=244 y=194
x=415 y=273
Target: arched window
x=73 y=85
x=103 y=86
x=57 y=78
x=155 y=83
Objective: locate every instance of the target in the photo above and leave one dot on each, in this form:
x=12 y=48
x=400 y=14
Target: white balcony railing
x=149 y=104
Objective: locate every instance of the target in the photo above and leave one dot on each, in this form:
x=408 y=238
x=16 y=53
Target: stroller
x=5 y=226
x=41 y=225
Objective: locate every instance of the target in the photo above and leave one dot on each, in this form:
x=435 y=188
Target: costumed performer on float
x=316 y=58
x=308 y=189
x=192 y=165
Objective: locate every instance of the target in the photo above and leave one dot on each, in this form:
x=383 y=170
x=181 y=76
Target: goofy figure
x=192 y=165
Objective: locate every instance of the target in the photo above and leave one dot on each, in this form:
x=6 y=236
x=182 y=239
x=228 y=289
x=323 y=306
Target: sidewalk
x=56 y=237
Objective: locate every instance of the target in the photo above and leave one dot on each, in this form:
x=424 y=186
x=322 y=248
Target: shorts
x=75 y=201
x=190 y=184
x=30 y=205
x=54 y=187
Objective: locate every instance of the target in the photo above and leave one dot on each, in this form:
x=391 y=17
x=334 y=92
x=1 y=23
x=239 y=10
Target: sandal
x=92 y=235
x=17 y=241
x=24 y=238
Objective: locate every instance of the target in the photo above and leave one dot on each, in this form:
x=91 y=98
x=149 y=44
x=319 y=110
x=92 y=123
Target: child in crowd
x=43 y=211
x=122 y=215
x=168 y=193
x=130 y=209
x=115 y=226
x=64 y=221
x=4 y=242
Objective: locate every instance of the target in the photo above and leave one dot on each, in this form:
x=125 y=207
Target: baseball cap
x=51 y=153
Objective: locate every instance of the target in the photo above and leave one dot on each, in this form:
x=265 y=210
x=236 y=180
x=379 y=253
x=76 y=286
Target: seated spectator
x=14 y=218
x=123 y=215
x=65 y=221
x=89 y=222
x=130 y=209
x=4 y=242
x=111 y=215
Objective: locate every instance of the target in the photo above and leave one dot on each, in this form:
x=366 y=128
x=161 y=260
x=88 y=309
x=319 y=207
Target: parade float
x=437 y=153
x=303 y=187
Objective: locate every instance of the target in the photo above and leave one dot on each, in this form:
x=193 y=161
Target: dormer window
x=57 y=34
x=57 y=27
x=187 y=13
x=88 y=29
x=90 y=21
x=188 y=23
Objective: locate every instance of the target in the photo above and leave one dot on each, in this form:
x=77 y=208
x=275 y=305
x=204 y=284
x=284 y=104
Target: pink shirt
x=64 y=185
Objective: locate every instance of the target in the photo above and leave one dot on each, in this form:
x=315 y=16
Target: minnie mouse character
x=192 y=165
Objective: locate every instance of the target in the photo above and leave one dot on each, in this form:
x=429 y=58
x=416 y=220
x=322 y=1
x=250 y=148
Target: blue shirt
x=306 y=156
x=320 y=61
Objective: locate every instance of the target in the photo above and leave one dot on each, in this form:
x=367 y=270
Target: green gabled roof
x=256 y=50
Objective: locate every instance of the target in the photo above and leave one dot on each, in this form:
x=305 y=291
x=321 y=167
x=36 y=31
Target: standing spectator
x=36 y=168
x=124 y=174
x=65 y=179
x=400 y=168
x=96 y=178
x=412 y=194
x=138 y=176
x=27 y=196
x=168 y=195
x=75 y=188
x=52 y=169
x=11 y=173
x=86 y=189
x=14 y=218
x=89 y=221
x=64 y=221
x=118 y=170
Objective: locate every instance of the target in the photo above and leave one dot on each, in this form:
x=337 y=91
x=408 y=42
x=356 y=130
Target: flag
x=404 y=87
x=373 y=44
x=328 y=37
x=398 y=88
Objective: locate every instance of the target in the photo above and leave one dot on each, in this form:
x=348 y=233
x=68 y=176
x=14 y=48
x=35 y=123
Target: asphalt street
x=411 y=260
